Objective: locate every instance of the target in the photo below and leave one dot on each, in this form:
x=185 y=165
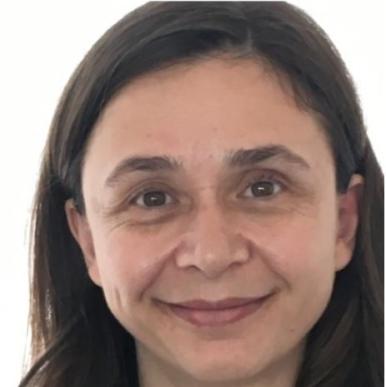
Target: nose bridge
x=211 y=231
x=212 y=241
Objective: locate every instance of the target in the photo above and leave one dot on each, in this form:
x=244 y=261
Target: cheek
x=302 y=255
x=304 y=252
x=128 y=263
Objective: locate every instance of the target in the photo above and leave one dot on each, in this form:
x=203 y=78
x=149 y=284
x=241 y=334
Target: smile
x=216 y=317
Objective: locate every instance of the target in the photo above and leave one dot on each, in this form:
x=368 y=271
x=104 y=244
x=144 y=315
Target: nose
x=212 y=243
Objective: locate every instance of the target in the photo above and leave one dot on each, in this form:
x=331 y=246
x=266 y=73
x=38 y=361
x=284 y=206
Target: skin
x=213 y=238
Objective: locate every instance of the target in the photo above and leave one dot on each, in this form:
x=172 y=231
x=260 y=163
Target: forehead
x=197 y=113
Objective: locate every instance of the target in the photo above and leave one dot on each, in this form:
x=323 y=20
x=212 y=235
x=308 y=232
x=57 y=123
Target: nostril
x=212 y=247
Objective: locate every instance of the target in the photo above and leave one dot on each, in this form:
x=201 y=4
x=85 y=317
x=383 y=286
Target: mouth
x=217 y=305
x=205 y=314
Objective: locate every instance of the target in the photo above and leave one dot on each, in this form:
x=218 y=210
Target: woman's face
x=245 y=205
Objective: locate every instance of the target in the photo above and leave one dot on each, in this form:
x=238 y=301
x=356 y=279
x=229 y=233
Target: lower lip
x=215 y=318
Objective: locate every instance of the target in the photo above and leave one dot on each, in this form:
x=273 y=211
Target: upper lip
x=221 y=304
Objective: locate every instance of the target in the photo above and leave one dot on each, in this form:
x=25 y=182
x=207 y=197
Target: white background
x=42 y=42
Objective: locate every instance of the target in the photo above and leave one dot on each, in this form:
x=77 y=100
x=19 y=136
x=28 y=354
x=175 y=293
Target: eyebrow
x=233 y=159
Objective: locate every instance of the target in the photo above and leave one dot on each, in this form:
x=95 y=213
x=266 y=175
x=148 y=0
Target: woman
x=209 y=210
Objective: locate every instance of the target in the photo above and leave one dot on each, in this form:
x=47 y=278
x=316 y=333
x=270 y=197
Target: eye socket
x=260 y=187
x=152 y=198
x=264 y=188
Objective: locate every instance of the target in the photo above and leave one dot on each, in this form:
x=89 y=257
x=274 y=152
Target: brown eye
x=152 y=199
x=264 y=188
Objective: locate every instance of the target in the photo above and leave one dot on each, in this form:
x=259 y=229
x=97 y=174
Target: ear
x=80 y=230
x=348 y=218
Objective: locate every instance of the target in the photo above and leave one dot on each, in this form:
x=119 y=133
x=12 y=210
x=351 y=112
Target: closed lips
x=214 y=315
x=218 y=305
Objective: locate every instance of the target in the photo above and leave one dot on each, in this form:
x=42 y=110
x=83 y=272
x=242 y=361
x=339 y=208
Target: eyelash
x=267 y=177
x=272 y=178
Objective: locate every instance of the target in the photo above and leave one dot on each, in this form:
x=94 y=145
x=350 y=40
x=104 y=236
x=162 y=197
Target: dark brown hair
x=75 y=339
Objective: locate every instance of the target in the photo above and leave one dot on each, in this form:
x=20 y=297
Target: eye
x=152 y=198
x=263 y=188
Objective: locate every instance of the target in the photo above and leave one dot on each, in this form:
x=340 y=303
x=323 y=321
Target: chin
x=222 y=369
